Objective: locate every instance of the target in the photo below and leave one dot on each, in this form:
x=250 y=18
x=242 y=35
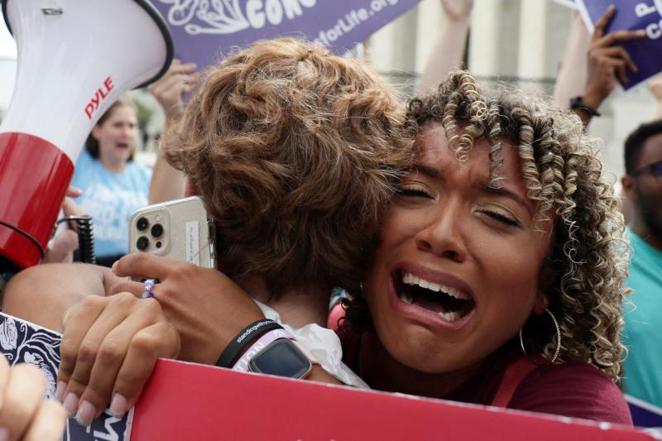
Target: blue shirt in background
x=110 y=198
x=643 y=323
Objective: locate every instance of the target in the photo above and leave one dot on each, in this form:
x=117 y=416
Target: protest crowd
x=482 y=251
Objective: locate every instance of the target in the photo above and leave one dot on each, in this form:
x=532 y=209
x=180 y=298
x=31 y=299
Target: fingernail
x=4 y=434
x=71 y=404
x=59 y=390
x=112 y=268
x=118 y=406
x=86 y=413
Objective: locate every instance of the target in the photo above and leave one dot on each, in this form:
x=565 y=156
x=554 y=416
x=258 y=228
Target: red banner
x=192 y=402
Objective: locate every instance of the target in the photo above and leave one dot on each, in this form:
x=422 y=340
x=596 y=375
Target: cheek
x=514 y=273
x=401 y=226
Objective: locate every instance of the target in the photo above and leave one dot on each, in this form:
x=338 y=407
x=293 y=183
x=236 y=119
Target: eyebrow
x=433 y=172
x=502 y=191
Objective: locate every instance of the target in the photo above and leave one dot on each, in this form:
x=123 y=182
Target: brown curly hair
x=587 y=262
x=296 y=154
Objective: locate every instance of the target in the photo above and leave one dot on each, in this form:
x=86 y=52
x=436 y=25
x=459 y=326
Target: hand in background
x=24 y=414
x=457 y=9
x=169 y=89
x=61 y=248
x=608 y=62
x=205 y=306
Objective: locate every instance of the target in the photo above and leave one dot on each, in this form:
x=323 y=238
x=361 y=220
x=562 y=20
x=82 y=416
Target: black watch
x=577 y=103
x=283 y=358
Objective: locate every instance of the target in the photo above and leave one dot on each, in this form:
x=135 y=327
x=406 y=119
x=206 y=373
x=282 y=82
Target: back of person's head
x=635 y=141
x=91 y=143
x=296 y=153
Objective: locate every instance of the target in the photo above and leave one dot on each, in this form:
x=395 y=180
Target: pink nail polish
x=71 y=404
x=118 y=406
x=86 y=413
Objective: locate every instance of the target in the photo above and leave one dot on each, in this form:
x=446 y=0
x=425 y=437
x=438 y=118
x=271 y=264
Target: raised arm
x=571 y=78
x=606 y=63
x=449 y=48
x=167 y=182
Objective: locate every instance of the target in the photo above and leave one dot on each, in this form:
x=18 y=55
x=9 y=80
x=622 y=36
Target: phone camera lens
x=142 y=243
x=158 y=244
x=142 y=224
x=157 y=230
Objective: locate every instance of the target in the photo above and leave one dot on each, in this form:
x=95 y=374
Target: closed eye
x=501 y=218
x=414 y=192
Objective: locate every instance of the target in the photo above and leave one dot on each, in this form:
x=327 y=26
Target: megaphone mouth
x=153 y=13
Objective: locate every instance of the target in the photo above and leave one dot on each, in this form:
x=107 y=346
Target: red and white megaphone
x=75 y=58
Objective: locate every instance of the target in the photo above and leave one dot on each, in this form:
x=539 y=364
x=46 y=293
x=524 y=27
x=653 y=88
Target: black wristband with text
x=577 y=103
x=243 y=340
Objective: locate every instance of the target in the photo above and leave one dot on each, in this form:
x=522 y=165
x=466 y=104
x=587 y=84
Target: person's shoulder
x=572 y=389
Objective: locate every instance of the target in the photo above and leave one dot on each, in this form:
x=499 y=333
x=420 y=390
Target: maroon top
x=572 y=389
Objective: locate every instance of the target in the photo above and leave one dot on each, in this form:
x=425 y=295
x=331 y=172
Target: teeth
x=407 y=298
x=410 y=279
x=449 y=316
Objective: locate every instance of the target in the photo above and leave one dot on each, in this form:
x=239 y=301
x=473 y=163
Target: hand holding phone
x=178 y=229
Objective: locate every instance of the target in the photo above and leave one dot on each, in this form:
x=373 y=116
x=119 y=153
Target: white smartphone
x=179 y=229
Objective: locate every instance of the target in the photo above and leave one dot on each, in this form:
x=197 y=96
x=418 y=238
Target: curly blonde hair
x=296 y=153
x=587 y=263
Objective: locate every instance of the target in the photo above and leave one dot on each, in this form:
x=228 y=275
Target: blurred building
x=520 y=42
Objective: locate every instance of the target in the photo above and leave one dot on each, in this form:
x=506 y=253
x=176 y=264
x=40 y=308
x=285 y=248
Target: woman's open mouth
x=450 y=303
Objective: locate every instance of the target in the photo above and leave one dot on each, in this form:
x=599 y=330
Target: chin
x=418 y=351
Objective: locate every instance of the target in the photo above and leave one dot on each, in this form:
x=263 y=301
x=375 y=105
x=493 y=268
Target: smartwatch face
x=281 y=358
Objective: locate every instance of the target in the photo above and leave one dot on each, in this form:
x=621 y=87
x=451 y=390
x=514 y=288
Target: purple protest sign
x=205 y=30
x=644 y=414
x=632 y=14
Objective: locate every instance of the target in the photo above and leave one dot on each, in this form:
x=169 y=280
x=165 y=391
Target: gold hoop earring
x=558 y=337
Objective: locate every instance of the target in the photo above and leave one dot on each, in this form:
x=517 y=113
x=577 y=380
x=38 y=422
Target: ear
x=547 y=274
x=541 y=303
x=627 y=183
x=95 y=132
x=189 y=189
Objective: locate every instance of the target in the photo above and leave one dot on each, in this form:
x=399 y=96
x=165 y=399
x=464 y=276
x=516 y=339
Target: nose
x=444 y=235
